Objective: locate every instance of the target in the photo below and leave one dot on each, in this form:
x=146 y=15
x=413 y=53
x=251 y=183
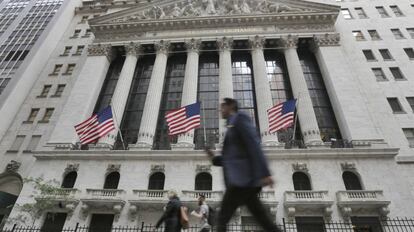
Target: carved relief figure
x=190 y=10
x=211 y=8
x=245 y=8
x=176 y=11
x=234 y=8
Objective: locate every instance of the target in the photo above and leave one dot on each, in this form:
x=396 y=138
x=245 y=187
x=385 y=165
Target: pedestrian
x=245 y=168
x=172 y=214
x=203 y=214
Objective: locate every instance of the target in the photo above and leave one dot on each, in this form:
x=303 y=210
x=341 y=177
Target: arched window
x=69 y=180
x=301 y=181
x=156 y=181
x=112 y=180
x=204 y=181
x=351 y=181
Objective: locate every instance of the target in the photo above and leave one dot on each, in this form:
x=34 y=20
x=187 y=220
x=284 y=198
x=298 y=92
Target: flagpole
x=204 y=126
x=118 y=127
x=296 y=118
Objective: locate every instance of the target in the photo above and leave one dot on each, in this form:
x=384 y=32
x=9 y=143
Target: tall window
x=48 y=114
x=33 y=115
x=346 y=13
x=156 y=181
x=109 y=85
x=359 y=36
x=320 y=99
x=386 y=54
x=379 y=74
x=136 y=100
x=243 y=85
x=34 y=142
x=204 y=181
x=59 y=91
x=374 y=35
x=411 y=102
x=112 y=180
x=101 y=223
x=208 y=85
x=279 y=86
x=310 y=224
x=397 y=33
x=396 y=11
x=411 y=32
x=171 y=99
x=45 y=91
x=351 y=181
x=301 y=181
x=396 y=72
x=54 y=222
x=69 y=180
x=369 y=55
x=17 y=143
x=409 y=134
x=410 y=53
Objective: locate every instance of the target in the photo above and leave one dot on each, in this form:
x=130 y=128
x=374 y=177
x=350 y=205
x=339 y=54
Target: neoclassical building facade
x=349 y=158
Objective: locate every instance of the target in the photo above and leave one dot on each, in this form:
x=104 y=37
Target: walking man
x=203 y=214
x=245 y=168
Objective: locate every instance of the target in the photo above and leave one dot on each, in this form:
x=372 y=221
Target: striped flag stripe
x=281 y=115
x=186 y=123
x=183 y=119
x=184 y=130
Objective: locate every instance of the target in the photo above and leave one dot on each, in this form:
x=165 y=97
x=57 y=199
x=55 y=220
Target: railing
x=388 y=225
x=295 y=144
x=305 y=195
x=267 y=195
x=106 y=193
x=61 y=192
x=358 y=195
x=210 y=195
x=150 y=194
x=341 y=143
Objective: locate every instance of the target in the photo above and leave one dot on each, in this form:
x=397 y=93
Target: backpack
x=211 y=219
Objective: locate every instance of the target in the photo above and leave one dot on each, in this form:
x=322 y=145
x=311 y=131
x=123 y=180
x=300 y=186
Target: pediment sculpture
x=205 y=8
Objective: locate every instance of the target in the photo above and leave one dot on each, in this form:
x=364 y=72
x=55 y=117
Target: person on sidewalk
x=172 y=214
x=203 y=214
x=245 y=168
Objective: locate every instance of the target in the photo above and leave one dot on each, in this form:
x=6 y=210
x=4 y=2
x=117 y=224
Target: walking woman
x=172 y=214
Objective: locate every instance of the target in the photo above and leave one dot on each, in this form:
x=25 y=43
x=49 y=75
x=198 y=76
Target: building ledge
x=273 y=154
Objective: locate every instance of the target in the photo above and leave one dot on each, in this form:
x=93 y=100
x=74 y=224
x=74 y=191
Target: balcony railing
x=104 y=193
x=210 y=195
x=360 y=195
x=61 y=192
x=150 y=194
x=267 y=195
x=294 y=196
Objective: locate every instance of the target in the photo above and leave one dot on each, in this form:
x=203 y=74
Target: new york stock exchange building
x=349 y=164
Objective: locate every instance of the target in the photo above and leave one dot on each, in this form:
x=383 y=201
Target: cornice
x=275 y=154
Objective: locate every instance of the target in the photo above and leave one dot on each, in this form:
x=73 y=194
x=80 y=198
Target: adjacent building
x=349 y=63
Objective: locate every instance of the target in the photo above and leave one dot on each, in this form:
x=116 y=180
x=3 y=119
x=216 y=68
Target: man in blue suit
x=245 y=168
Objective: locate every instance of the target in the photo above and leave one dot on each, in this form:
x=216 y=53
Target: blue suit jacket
x=242 y=159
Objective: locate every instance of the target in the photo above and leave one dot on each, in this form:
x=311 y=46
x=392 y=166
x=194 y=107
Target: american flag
x=95 y=127
x=281 y=116
x=183 y=119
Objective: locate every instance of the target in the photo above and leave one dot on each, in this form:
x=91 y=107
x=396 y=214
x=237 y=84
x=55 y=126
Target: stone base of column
x=183 y=146
x=100 y=147
x=270 y=141
x=140 y=147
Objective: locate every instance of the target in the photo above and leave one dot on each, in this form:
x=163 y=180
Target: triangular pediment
x=163 y=11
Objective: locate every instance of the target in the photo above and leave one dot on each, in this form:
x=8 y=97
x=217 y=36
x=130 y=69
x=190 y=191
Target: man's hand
x=209 y=153
x=268 y=181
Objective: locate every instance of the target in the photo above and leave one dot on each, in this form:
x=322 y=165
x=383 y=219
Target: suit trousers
x=236 y=197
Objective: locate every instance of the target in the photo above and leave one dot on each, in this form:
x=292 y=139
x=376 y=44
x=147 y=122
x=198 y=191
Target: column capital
x=328 y=39
x=290 y=41
x=257 y=42
x=162 y=46
x=193 y=45
x=101 y=50
x=134 y=49
x=225 y=43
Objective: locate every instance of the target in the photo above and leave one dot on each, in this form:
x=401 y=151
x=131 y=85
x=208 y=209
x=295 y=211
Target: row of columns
x=308 y=123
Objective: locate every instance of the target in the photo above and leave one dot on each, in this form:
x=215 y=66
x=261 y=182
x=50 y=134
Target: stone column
x=225 y=77
x=345 y=95
x=186 y=141
x=121 y=93
x=83 y=97
x=263 y=93
x=153 y=101
x=306 y=113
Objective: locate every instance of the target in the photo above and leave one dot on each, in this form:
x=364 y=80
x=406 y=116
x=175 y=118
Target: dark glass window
x=208 y=86
x=101 y=223
x=301 y=181
x=310 y=224
x=109 y=85
x=69 y=180
x=171 y=99
x=369 y=55
x=243 y=85
x=204 y=181
x=351 y=181
x=136 y=100
x=156 y=181
x=366 y=224
x=112 y=180
x=395 y=105
x=396 y=72
x=54 y=222
x=325 y=116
